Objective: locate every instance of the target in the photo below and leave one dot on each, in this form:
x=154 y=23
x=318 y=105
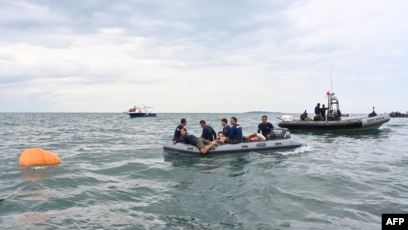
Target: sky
x=202 y=56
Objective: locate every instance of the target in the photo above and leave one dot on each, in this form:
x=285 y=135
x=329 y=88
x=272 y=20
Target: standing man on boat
x=317 y=109
x=208 y=131
x=318 y=113
x=177 y=136
x=323 y=112
x=265 y=127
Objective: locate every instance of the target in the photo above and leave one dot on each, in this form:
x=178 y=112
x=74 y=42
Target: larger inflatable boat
x=334 y=120
x=364 y=123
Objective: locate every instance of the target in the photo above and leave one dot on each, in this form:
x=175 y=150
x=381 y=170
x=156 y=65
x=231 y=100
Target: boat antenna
x=331 y=71
x=331 y=77
x=330 y=56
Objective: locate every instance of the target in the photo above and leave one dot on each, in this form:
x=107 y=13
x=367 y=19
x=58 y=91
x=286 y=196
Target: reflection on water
x=37 y=174
x=207 y=162
x=31 y=218
x=34 y=192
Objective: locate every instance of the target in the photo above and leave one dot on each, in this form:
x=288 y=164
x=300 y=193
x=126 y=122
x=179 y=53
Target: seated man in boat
x=265 y=127
x=226 y=129
x=208 y=132
x=264 y=130
x=235 y=134
x=304 y=116
x=202 y=144
x=177 y=136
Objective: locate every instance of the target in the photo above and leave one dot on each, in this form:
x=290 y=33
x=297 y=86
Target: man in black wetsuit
x=208 y=132
x=177 y=136
x=202 y=144
x=265 y=127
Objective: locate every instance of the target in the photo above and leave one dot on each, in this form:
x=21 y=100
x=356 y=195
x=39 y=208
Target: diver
x=265 y=127
x=202 y=144
x=235 y=135
x=208 y=132
x=177 y=136
x=323 y=112
x=373 y=113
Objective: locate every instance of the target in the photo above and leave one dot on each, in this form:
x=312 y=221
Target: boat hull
x=234 y=148
x=136 y=115
x=355 y=124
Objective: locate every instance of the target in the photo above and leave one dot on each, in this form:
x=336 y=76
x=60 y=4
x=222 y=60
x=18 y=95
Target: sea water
x=115 y=175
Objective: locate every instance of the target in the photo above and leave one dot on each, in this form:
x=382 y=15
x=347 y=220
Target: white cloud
x=201 y=58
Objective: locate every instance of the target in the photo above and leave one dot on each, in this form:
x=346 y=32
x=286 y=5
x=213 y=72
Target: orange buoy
x=38 y=157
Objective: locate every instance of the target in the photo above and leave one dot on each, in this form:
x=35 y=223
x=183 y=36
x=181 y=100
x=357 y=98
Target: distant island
x=260 y=112
x=399 y=114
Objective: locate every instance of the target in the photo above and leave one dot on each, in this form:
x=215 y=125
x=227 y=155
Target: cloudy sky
x=202 y=56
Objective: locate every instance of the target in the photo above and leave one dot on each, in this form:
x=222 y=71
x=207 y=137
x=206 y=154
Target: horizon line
x=184 y=112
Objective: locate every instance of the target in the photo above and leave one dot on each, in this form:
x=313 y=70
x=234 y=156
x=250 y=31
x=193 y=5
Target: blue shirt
x=236 y=133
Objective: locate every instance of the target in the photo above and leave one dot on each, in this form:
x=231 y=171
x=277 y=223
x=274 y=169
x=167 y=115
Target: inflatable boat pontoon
x=235 y=148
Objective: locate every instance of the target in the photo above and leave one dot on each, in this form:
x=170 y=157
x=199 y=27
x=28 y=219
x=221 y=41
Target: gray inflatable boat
x=354 y=124
x=279 y=140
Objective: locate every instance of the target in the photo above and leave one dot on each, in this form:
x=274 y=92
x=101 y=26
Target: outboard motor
x=279 y=133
